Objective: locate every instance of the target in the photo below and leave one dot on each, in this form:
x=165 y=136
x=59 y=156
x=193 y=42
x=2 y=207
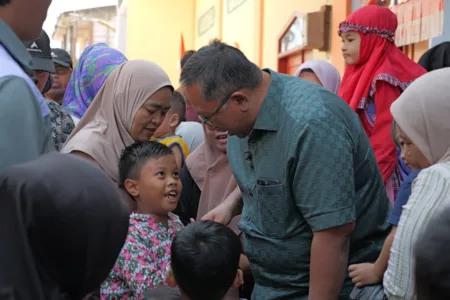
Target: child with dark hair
x=205 y=261
x=165 y=133
x=432 y=275
x=149 y=173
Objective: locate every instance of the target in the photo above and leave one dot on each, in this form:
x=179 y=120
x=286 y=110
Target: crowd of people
x=241 y=183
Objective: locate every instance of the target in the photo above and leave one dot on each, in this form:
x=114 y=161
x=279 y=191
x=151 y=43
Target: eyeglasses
x=62 y=71
x=206 y=120
x=210 y=126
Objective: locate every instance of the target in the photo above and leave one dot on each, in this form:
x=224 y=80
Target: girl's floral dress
x=144 y=259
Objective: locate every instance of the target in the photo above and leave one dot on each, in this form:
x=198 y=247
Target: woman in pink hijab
x=321 y=73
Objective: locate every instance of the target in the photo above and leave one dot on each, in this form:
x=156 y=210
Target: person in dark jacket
x=437 y=57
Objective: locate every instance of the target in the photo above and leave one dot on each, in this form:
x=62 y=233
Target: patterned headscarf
x=91 y=71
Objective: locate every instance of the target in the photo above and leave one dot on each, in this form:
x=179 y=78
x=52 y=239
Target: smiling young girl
x=377 y=73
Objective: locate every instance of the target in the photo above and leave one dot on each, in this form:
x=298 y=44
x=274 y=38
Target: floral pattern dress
x=144 y=259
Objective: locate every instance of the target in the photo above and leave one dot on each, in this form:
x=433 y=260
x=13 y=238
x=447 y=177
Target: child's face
x=412 y=156
x=217 y=138
x=351 y=43
x=159 y=186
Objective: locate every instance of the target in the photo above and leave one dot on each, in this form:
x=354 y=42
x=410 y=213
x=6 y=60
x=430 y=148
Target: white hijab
x=423 y=113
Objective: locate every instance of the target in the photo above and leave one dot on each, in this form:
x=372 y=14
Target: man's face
x=60 y=82
x=42 y=77
x=32 y=16
x=229 y=117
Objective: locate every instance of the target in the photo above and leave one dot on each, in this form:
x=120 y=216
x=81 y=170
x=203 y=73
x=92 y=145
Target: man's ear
x=174 y=120
x=170 y=279
x=239 y=98
x=239 y=280
x=132 y=187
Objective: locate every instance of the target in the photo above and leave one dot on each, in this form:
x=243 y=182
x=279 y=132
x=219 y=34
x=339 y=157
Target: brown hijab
x=212 y=173
x=104 y=130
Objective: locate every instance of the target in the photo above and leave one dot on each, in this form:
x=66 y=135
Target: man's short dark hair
x=205 y=260
x=4 y=2
x=178 y=105
x=135 y=155
x=185 y=57
x=220 y=70
x=432 y=262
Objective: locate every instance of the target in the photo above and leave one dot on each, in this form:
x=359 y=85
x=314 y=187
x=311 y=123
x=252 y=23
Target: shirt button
x=251 y=194
x=247 y=218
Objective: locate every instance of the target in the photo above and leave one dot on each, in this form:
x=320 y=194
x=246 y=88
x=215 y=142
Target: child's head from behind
x=175 y=115
x=149 y=173
x=365 y=30
x=432 y=264
x=205 y=261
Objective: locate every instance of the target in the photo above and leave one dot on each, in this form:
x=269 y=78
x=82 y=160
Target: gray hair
x=220 y=70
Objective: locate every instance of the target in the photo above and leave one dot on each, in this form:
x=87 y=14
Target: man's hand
x=229 y=208
x=223 y=213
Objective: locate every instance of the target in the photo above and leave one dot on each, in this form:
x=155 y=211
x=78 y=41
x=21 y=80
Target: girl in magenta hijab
x=93 y=67
x=321 y=73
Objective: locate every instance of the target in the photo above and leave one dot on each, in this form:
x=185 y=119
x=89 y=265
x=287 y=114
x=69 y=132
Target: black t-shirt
x=189 y=199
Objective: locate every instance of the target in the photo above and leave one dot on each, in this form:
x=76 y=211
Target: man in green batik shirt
x=314 y=200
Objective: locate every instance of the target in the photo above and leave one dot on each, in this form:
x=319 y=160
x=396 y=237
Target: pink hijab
x=328 y=75
x=212 y=173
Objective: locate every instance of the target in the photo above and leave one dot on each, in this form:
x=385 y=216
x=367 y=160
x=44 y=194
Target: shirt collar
x=15 y=47
x=268 y=114
x=149 y=219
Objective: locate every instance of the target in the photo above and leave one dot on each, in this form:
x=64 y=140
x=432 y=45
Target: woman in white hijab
x=320 y=72
x=423 y=130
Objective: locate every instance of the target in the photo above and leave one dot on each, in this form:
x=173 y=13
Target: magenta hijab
x=327 y=73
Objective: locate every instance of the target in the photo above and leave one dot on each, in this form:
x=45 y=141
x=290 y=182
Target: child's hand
x=192 y=221
x=364 y=274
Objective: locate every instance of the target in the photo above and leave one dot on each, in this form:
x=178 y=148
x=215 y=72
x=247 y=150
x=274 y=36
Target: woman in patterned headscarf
x=91 y=71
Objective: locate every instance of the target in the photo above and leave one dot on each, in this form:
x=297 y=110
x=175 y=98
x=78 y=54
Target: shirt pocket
x=272 y=210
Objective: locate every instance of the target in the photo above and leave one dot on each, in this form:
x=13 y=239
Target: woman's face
x=151 y=114
x=412 y=156
x=216 y=138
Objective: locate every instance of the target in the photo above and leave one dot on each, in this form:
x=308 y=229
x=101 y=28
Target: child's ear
x=239 y=280
x=174 y=120
x=132 y=187
x=170 y=279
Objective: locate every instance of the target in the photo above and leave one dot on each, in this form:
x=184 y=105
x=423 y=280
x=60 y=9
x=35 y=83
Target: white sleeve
x=430 y=192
